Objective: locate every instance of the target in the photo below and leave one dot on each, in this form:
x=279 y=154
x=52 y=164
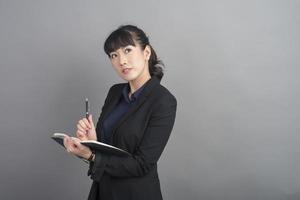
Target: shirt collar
x=134 y=96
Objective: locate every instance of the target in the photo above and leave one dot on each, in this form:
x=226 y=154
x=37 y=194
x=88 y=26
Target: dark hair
x=126 y=35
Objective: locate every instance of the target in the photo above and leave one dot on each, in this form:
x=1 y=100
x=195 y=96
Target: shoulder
x=163 y=103
x=164 y=93
x=113 y=91
x=116 y=88
x=163 y=98
x=159 y=93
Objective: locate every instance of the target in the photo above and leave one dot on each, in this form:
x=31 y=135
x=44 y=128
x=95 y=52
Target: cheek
x=138 y=61
x=115 y=68
x=114 y=64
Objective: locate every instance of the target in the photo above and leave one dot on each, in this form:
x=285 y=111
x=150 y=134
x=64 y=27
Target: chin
x=129 y=78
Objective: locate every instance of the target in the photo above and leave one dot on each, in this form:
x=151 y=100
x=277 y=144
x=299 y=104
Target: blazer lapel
x=148 y=89
x=111 y=105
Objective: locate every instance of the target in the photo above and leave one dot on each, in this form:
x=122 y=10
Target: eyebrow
x=115 y=51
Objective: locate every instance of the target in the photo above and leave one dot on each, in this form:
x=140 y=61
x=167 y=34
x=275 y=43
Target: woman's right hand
x=86 y=129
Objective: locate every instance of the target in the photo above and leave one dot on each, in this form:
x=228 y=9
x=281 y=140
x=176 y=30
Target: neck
x=137 y=83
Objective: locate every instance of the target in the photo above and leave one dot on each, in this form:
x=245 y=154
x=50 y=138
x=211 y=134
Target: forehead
x=123 y=47
x=119 y=40
x=135 y=49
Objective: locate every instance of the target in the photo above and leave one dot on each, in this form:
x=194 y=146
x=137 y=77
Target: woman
x=137 y=116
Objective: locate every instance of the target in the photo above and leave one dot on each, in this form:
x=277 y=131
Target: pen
x=87 y=108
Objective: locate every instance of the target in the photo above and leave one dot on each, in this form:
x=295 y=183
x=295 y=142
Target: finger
x=72 y=143
x=67 y=144
x=79 y=127
x=87 y=123
x=91 y=121
x=80 y=134
x=82 y=124
x=66 y=141
x=74 y=139
x=76 y=142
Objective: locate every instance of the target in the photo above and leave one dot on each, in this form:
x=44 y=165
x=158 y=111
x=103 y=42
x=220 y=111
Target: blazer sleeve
x=150 y=149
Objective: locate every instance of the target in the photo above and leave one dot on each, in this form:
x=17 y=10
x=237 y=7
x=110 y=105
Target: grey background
x=233 y=66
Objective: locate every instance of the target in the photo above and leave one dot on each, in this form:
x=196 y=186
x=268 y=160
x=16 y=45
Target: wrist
x=91 y=157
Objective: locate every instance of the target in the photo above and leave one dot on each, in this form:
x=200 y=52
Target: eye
x=113 y=55
x=127 y=50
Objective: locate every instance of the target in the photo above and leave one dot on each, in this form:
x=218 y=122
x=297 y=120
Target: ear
x=147 y=52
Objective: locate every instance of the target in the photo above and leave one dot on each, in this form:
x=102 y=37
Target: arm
x=146 y=156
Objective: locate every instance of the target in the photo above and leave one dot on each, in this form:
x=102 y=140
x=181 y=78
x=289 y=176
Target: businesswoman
x=137 y=116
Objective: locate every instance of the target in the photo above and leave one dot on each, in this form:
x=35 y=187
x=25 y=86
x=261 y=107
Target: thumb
x=66 y=141
x=91 y=121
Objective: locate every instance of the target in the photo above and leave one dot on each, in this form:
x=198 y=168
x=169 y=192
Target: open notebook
x=93 y=145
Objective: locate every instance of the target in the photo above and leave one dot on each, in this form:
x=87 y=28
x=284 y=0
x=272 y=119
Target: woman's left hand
x=74 y=147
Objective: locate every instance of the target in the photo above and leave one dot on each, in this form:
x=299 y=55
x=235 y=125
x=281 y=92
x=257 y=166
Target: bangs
x=118 y=39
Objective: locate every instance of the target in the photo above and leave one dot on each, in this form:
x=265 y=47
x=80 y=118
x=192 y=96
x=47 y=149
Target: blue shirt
x=124 y=104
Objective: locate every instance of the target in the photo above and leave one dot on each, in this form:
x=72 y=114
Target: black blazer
x=143 y=131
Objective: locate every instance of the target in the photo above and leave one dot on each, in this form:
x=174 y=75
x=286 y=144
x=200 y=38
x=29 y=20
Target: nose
x=123 y=59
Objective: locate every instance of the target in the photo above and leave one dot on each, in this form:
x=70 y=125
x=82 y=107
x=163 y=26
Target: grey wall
x=233 y=66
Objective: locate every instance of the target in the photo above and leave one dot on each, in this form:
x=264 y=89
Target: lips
x=126 y=70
